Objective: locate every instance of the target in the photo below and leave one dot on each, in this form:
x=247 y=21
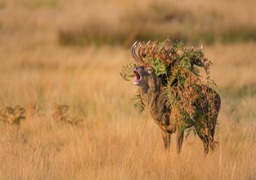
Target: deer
x=151 y=92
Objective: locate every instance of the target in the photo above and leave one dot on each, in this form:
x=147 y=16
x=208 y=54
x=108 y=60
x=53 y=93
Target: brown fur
x=152 y=95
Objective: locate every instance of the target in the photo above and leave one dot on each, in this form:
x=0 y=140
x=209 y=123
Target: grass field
x=101 y=135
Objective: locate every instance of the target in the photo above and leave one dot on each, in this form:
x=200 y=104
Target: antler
x=140 y=51
x=137 y=55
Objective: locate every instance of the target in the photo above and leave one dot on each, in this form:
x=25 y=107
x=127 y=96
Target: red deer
x=151 y=92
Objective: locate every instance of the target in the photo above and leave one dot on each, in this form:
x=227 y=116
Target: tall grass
x=112 y=141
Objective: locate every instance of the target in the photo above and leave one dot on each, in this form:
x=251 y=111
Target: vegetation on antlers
x=185 y=87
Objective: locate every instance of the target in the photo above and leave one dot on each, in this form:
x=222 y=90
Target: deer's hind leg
x=215 y=107
x=212 y=132
x=205 y=140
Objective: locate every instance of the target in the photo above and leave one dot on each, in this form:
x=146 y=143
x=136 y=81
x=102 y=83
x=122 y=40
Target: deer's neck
x=156 y=102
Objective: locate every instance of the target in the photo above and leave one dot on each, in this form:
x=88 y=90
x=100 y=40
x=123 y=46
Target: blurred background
x=60 y=60
x=93 y=38
x=112 y=22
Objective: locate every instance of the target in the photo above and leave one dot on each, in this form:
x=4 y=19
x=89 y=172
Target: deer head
x=144 y=72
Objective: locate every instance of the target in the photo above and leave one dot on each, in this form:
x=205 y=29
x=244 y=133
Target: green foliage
x=159 y=68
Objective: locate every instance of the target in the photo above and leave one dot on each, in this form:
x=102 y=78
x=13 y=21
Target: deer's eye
x=149 y=70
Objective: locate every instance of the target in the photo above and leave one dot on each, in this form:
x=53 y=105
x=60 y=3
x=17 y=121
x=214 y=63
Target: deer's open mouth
x=137 y=77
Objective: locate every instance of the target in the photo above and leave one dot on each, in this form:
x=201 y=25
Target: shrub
x=12 y=115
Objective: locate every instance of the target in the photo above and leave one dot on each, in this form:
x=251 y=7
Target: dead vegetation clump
x=61 y=114
x=12 y=115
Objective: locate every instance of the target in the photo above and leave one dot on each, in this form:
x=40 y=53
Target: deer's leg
x=212 y=143
x=211 y=136
x=215 y=107
x=205 y=141
x=167 y=139
x=180 y=137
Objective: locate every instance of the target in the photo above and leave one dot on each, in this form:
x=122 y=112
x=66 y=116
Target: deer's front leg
x=180 y=136
x=167 y=139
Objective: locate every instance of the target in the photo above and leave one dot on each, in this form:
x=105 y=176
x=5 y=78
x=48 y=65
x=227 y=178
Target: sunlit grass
x=112 y=141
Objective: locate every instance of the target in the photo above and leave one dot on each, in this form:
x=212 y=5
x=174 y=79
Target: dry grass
x=112 y=141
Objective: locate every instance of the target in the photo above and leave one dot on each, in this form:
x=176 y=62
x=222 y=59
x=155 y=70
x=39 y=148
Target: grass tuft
x=12 y=115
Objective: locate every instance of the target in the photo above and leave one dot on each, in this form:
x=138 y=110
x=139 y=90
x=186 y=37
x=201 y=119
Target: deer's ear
x=150 y=70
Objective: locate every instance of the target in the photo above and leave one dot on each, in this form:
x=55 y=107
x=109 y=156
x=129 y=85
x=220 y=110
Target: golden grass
x=112 y=141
